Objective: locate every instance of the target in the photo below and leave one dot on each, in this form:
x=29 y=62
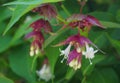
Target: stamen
x=90 y=61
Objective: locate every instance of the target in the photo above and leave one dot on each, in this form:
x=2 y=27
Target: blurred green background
x=16 y=66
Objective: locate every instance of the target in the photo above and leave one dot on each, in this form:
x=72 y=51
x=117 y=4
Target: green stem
x=66 y=11
x=61 y=19
x=34 y=59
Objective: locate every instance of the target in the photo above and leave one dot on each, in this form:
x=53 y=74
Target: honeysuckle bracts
x=37 y=42
x=81 y=21
x=47 y=10
x=41 y=24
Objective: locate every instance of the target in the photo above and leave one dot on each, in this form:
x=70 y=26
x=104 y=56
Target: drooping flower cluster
x=49 y=12
x=81 y=44
x=81 y=47
x=45 y=72
x=82 y=21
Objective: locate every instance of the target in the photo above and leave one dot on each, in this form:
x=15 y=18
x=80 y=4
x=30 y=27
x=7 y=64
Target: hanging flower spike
x=37 y=43
x=74 y=59
x=45 y=73
x=80 y=43
x=39 y=24
x=77 y=41
x=46 y=10
x=81 y=21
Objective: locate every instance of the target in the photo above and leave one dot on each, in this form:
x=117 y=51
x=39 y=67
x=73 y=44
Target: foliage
x=17 y=66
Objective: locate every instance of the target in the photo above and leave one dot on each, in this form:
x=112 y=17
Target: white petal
x=45 y=73
x=65 y=52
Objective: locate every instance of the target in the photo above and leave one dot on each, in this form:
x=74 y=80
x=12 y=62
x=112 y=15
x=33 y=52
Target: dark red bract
x=46 y=10
x=81 y=21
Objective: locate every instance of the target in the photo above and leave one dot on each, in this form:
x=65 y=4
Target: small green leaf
x=5 y=80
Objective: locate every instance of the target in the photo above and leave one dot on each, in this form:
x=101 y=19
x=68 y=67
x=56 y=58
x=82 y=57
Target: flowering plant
x=59 y=41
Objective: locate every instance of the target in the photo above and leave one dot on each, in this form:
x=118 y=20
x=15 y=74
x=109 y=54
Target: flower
x=74 y=57
x=46 y=10
x=41 y=23
x=37 y=43
x=65 y=52
x=45 y=72
x=89 y=53
x=81 y=21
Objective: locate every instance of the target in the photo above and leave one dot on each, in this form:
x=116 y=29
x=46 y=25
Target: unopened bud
x=31 y=53
x=78 y=49
x=37 y=51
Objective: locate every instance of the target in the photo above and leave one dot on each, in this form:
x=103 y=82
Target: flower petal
x=94 y=21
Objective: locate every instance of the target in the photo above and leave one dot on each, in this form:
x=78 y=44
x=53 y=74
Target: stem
x=66 y=11
x=82 y=3
x=61 y=19
x=34 y=62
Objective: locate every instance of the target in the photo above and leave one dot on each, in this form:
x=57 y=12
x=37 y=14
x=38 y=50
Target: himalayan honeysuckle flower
x=46 y=10
x=45 y=72
x=81 y=47
x=81 y=21
x=41 y=23
x=37 y=43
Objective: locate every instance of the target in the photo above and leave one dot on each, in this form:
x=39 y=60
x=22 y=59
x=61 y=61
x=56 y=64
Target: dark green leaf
x=21 y=63
x=5 y=80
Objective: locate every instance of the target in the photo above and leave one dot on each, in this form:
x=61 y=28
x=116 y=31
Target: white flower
x=65 y=52
x=45 y=73
x=89 y=53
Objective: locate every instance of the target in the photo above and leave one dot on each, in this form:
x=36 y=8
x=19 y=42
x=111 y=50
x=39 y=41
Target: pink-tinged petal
x=92 y=20
x=74 y=55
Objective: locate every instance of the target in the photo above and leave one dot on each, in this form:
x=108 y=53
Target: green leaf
x=104 y=75
x=35 y=2
x=110 y=24
x=87 y=68
x=21 y=62
x=115 y=43
x=23 y=29
x=5 y=13
x=52 y=54
x=4 y=43
x=5 y=80
x=21 y=10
